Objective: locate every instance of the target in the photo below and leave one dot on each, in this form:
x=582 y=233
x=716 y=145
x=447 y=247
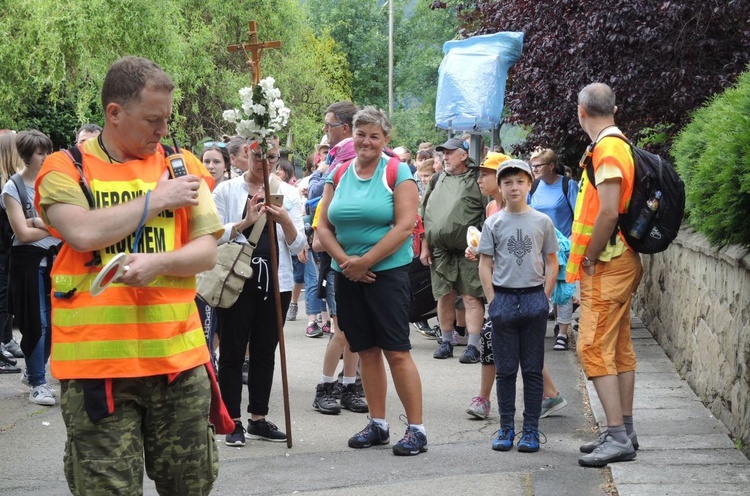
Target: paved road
x=459 y=460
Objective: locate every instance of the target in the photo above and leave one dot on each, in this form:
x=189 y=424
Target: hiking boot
x=41 y=395
x=351 y=400
x=264 y=430
x=291 y=314
x=504 y=439
x=338 y=388
x=610 y=451
x=313 y=330
x=529 y=442
x=13 y=348
x=237 y=437
x=326 y=328
x=552 y=405
x=324 y=401
x=413 y=443
x=589 y=447
x=445 y=350
x=470 y=355
x=479 y=408
x=371 y=435
x=245 y=370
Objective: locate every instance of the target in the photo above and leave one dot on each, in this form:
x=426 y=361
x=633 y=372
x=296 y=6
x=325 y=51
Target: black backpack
x=6 y=231
x=652 y=174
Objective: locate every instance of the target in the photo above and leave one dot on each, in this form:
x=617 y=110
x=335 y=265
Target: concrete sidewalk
x=684 y=449
x=459 y=460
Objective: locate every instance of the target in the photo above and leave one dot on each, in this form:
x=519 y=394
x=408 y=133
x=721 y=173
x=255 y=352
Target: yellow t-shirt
x=610 y=251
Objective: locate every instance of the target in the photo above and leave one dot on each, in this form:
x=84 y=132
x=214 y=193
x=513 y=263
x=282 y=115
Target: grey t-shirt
x=10 y=190
x=518 y=244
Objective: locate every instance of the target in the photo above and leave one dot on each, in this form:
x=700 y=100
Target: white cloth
x=230 y=197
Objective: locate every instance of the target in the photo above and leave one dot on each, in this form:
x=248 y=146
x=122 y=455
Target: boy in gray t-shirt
x=520 y=242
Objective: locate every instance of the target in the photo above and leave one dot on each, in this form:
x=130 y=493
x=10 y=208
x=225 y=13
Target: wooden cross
x=255 y=50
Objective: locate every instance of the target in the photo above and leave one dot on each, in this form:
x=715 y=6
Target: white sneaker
x=25 y=378
x=41 y=395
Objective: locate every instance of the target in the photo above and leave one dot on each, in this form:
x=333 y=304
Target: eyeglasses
x=536 y=166
x=271 y=158
x=329 y=125
x=209 y=144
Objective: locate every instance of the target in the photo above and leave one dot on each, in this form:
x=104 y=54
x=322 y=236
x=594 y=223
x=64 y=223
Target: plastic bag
x=471 y=80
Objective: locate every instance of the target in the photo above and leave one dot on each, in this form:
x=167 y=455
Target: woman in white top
x=252 y=318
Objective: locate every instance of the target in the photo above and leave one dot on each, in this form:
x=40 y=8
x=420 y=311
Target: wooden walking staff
x=253 y=52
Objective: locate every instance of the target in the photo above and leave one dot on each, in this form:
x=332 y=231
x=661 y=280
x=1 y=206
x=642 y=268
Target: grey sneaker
x=553 y=405
x=470 y=355
x=444 y=351
x=610 y=451
x=291 y=314
x=589 y=447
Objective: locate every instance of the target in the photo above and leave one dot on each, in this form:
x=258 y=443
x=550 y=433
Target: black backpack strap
x=75 y=154
x=22 y=196
x=566 y=188
x=434 y=179
x=534 y=186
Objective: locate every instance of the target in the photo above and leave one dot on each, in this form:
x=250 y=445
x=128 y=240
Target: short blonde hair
x=546 y=154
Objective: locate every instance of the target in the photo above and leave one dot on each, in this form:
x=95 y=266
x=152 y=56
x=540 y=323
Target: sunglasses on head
x=209 y=144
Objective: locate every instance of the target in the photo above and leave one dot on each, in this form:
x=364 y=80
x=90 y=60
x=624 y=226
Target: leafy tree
x=360 y=28
x=663 y=59
x=712 y=154
x=57 y=57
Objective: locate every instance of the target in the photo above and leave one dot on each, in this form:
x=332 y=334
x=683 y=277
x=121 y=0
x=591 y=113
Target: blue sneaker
x=371 y=435
x=529 y=442
x=504 y=439
x=414 y=442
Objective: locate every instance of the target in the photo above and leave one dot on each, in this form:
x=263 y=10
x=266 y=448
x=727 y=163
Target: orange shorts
x=604 y=346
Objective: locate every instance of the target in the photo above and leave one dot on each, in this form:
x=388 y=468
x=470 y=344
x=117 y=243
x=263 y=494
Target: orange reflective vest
x=125 y=331
x=612 y=151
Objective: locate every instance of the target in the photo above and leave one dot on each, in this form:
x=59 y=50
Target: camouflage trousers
x=164 y=424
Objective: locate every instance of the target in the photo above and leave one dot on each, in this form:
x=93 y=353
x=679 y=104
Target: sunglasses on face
x=330 y=125
x=271 y=158
x=536 y=166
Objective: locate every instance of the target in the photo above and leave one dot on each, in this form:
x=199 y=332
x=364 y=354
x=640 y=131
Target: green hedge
x=712 y=154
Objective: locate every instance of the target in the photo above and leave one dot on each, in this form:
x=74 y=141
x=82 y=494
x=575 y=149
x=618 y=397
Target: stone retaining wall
x=695 y=300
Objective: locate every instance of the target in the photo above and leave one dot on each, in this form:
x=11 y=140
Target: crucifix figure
x=253 y=50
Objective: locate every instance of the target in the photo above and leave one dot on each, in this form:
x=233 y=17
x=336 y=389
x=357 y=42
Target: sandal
x=561 y=343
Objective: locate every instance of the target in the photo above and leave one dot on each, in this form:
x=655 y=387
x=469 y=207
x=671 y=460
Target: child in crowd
x=425 y=171
x=487 y=180
x=519 y=242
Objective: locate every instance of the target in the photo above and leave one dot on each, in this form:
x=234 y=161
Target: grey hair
x=372 y=115
x=598 y=100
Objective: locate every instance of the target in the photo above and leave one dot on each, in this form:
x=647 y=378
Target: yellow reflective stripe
x=126 y=314
x=581 y=228
x=577 y=249
x=130 y=348
x=83 y=282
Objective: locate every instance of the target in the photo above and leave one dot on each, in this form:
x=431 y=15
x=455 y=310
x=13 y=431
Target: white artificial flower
x=232 y=115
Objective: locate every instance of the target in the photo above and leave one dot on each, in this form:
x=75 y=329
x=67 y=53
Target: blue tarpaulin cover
x=471 y=80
